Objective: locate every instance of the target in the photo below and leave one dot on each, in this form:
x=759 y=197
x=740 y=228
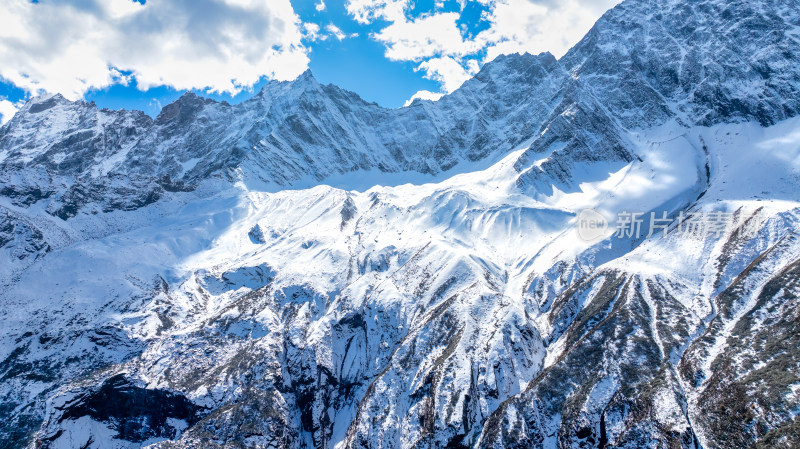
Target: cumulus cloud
x=7 y=111
x=424 y=37
x=447 y=71
x=424 y=95
x=538 y=26
x=441 y=41
x=220 y=45
x=311 y=31
x=320 y=6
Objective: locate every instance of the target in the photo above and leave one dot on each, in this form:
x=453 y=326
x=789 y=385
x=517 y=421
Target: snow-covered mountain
x=308 y=270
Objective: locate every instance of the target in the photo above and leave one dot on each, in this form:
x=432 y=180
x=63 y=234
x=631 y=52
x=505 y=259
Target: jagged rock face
x=136 y=413
x=645 y=63
x=54 y=151
x=290 y=132
x=297 y=130
x=705 y=62
x=641 y=368
x=67 y=137
x=154 y=295
x=20 y=238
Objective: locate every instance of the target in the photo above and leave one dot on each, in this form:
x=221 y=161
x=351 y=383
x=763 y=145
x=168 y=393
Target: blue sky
x=138 y=54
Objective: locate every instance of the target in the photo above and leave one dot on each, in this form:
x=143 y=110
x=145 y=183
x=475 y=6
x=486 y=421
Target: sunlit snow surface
x=160 y=276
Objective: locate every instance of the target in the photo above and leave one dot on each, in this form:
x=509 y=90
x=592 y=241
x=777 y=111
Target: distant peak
x=184 y=107
x=276 y=88
x=190 y=97
x=505 y=65
x=47 y=97
x=524 y=58
x=44 y=102
x=305 y=78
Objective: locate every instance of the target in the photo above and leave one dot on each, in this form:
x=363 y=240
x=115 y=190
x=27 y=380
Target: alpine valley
x=309 y=270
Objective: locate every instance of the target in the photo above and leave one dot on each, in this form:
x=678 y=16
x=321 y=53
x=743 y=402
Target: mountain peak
x=517 y=66
x=305 y=80
x=184 y=107
x=44 y=102
x=306 y=76
x=46 y=97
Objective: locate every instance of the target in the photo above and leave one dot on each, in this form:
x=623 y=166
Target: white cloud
x=447 y=71
x=7 y=111
x=424 y=95
x=367 y=11
x=320 y=6
x=155 y=105
x=441 y=42
x=222 y=45
x=427 y=36
x=311 y=32
x=335 y=31
x=538 y=26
